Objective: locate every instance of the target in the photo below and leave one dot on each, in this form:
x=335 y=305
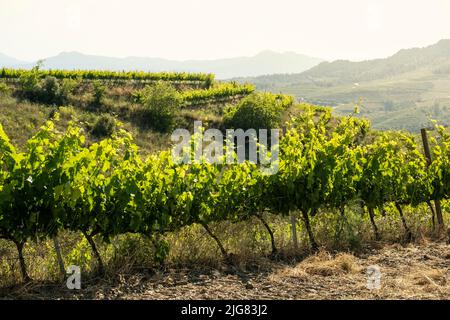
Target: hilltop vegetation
x=404 y=91
x=148 y=104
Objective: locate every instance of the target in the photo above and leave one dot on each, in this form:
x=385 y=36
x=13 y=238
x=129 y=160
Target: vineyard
x=195 y=90
x=112 y=76
x=218 y=93
x=215 y=161
x=106 y=189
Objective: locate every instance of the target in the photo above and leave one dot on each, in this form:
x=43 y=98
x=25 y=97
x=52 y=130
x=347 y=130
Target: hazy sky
x=209 y=29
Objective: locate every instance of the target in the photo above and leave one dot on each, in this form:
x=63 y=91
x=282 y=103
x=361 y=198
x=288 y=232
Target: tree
x=161 y=104
x=257 y=111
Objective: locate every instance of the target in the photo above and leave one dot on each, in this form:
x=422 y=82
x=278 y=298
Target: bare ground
x=413 y=271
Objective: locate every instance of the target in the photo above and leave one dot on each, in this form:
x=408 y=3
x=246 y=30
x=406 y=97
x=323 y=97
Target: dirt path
x=407 y=272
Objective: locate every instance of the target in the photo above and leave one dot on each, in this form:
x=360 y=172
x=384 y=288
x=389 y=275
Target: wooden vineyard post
x=437 y=203
x=59 y=256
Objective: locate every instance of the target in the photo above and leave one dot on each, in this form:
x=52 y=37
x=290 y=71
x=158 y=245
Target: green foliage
x=205 y=79
x=257 y=111
x=4 y=89
x=393 y=171
x=67 y=87
x=440 y=168
x=27 y=200
x=226 y=91
x=29 y=83
x=161 y=104
x=36 y=86
x=209 y=81
x=162 y=249
x=223 y=92
x=98 y=93
x=318 y=168
x=80 y=255
x=49 y=90
x=106 y=189
x=104 y=126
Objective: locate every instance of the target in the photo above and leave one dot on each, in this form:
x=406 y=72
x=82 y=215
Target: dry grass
x=321 y=264
x=324 y=264
x=436 y=278
x=418 y=269
x=408 y=272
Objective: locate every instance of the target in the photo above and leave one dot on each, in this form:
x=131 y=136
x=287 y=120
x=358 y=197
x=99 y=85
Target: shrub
x=80 y=255
x=104 y=126
x=4 y=89
x=98 y=93
x=129 y=251
x=29 y=84
x=257 y=111
x=66 y=112
x=49 y=91
x=52 y=91
x=67 y=87
x=209 y=81
x=161 y=104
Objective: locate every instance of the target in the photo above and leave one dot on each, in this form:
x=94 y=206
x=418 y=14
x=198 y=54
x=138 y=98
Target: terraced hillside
x=29 y=97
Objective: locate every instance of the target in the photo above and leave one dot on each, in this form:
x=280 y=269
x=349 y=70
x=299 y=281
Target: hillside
x=107 y=98
x=266 y=62
x=400 y=92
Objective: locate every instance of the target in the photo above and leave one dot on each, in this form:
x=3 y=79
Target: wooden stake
x=437 y=203
x=59 y=256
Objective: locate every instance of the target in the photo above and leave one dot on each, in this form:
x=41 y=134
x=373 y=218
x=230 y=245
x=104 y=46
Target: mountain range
x=403 y=91
x=9 y=62
x=266 y=62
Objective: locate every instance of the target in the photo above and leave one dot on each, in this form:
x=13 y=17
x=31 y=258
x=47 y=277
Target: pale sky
x=210 y=29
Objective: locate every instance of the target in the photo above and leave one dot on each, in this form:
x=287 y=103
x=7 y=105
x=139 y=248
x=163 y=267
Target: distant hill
x=10 y=62
x=266 y=62
x=400 y=92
